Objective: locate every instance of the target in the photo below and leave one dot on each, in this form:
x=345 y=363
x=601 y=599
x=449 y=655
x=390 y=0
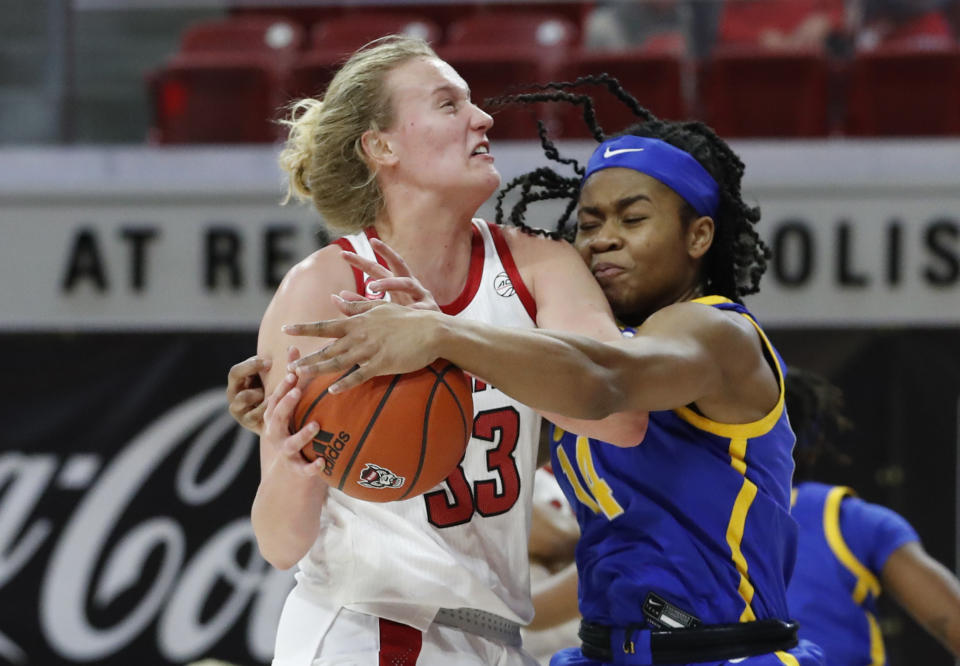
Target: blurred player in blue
x=849 y=549
x=686 y=542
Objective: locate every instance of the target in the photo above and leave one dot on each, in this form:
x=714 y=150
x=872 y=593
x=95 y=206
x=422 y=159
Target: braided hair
x=737 y=258
x=816 y=414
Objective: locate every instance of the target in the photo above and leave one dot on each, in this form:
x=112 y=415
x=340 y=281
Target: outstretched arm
x=685 y=353
x=927 y=590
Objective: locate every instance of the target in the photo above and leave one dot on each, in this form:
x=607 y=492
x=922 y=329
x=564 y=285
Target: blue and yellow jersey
x=842 y=547
x=697 y=515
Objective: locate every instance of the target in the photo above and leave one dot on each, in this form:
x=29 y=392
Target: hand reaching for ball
x=276 y=430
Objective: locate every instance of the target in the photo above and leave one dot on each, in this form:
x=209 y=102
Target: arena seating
x=897 y=91
x=224 y=85
x=530 y=46
x=656 y=79
x=332 y=41
x=230 y=77
x=751 y=91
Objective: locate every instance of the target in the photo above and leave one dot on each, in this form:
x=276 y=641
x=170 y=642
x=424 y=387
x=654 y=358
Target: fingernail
x=291 y=377
x=313 y=426
x=374 y=288
x=338 y=299
x=333 y=388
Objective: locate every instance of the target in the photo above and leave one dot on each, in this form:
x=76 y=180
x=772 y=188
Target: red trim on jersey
x=474 y=273
x=371 y=232
x=506 y=258
x=357 y=273
x=400 y=645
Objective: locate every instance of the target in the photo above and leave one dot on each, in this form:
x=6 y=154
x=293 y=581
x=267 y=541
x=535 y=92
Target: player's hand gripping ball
x=393 y=437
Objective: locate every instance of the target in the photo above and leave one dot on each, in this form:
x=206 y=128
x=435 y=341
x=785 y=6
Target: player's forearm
x=286 y=517
x=927 y=590
x=565 y=374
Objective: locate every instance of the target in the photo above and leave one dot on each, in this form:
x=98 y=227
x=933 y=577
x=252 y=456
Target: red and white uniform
x=461 y=545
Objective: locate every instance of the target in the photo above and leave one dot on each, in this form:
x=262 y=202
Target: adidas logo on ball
x=328 y=447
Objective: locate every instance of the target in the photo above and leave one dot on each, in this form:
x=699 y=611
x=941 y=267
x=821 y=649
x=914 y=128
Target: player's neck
x=435 y=245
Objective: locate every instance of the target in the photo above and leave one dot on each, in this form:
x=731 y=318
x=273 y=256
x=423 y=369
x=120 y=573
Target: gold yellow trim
x=712 y=300
x=735 y=529
x=787 y=658
x=738 y=454
x=578 y=489
x=598 y=488
x=866 y=581
x=878 y=655
x=747 y=430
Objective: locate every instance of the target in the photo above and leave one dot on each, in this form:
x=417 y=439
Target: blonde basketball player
x=396 y=150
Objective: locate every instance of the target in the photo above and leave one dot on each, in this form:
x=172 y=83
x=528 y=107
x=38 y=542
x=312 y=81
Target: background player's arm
x=286 y=509
x=927 y=590
x=555 y=599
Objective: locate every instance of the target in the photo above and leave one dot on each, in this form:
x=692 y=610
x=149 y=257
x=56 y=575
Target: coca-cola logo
x=96 y=557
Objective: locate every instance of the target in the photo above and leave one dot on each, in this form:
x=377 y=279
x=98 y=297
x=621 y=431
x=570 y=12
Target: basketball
x=394 y=436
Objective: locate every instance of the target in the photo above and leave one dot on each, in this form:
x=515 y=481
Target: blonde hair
x=323 y=155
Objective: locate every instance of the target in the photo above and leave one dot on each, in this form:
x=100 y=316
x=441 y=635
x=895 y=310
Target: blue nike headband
x=675 y=168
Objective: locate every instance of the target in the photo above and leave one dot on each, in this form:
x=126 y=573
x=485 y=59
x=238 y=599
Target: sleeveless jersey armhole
x=506 y=258
x=357 y=273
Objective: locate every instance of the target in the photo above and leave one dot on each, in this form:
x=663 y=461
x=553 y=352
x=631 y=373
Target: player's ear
x=377 y=148
x=700 y=236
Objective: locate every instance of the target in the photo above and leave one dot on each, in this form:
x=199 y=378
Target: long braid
x=551 y=186
x=584 y=101
x=613 y=87
x=551 y=151
x=738 y=257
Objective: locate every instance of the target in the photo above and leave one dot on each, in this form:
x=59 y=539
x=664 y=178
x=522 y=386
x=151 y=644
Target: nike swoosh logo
x=607 y=154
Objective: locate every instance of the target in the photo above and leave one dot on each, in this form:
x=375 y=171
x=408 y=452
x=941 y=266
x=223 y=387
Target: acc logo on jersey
x=374 y=476
x=503 y=286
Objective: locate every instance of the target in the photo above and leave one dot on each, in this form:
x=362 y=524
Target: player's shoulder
x=727 y=337
x=696 y=317
x=528 y=245
x=323 y=269
x=303 y=294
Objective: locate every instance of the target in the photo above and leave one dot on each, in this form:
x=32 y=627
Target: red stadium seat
x=898 y=91
x=655 y=79
x=224 y=85
x=544 y=30
x=274 y=35
x=745 y=22
x=755 y=92
x=494 y=51
x=332 y=42
x=349 y=32
x=575 y=12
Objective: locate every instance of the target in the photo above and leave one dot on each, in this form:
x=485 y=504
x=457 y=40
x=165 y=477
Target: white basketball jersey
x=464 y=543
